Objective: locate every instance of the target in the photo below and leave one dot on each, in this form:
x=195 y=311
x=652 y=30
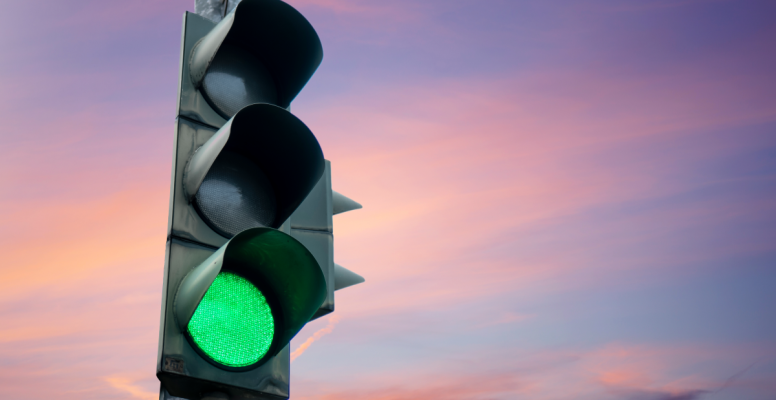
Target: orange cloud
x=128 y=385
x=452 y=166
x=63 y=242
x=622 y=370
x=316 y=336
x=471 y=188
x=449 y=387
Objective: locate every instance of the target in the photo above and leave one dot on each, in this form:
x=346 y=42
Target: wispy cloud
x=128 y=385
x=645 y=395
x=448 y=387
x=615 y=371
x=316 y=336
x=509 y=170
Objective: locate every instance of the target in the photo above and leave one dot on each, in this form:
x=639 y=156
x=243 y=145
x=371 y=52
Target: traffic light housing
x=262 y=52
x=238 y=285
x=255 y=171
x=245 y=302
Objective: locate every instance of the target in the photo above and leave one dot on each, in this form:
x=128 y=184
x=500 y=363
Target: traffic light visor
x=263 y=52
x=245 y=303
x=255 y=171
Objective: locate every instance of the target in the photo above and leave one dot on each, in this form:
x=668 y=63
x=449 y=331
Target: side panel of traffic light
x=313 y=226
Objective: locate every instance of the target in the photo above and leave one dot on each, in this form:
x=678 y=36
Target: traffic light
x=248 y=299
x=249 y=257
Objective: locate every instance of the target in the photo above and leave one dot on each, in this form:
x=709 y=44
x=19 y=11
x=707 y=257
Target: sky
x=562 y=200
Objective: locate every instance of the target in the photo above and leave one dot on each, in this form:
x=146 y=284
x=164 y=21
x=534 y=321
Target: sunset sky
x=563 y=200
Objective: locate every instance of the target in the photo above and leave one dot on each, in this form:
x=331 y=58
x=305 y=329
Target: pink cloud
x=436 y=387
x=316 y=336
x=57 y=243
x=452 y=172
x=129 y=385
x=469 y=162
x=615 y=370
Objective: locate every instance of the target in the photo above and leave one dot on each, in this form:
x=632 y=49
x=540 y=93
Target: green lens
x=233 y=323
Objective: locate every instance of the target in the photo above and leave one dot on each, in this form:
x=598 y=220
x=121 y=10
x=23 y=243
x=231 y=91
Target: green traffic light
x=243 y=304
x=233 y=323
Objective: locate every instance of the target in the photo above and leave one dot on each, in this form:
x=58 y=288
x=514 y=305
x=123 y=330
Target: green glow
x=233 y=323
